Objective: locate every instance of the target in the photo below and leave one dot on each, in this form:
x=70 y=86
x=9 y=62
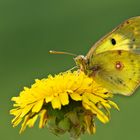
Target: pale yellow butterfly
x=114 y=61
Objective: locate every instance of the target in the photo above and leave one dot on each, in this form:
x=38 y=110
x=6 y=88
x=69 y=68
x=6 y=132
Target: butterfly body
x=114 y=61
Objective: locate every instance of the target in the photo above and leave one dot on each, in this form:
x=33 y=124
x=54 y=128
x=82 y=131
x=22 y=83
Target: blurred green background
x=30 y=28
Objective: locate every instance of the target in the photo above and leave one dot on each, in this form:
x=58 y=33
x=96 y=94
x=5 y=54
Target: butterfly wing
x=125 y=37
x=118 y=71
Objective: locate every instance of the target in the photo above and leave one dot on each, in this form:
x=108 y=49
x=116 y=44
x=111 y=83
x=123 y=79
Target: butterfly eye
x=113 y=41
x=87 y=62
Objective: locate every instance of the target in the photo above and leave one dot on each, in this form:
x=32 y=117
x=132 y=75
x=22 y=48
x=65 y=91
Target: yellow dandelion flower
x=67 y=102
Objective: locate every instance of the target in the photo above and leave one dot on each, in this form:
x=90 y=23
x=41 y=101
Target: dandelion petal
x=56 y=104
x=36 y=108
x=64 y=98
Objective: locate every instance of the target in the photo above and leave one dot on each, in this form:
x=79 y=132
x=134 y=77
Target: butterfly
x=114 y=61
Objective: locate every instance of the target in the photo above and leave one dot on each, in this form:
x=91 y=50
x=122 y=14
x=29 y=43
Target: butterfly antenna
x=59 y=52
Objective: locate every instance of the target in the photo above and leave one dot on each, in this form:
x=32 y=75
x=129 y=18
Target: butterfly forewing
x=125 y=37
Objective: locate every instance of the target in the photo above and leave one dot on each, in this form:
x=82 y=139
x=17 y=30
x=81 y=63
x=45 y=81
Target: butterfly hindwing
x=119 y=71
x=125 y=37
